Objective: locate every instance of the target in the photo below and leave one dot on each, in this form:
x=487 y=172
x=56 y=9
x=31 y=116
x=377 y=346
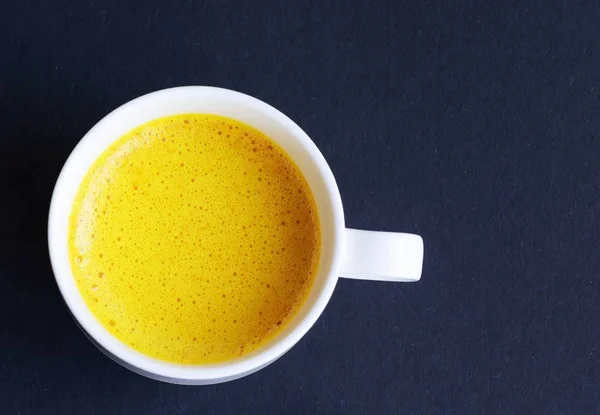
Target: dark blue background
x=475 y=124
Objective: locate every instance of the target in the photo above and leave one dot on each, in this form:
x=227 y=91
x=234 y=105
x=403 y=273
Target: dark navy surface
x=475 y=124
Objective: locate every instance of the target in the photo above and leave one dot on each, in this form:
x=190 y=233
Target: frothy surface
x=194 y=238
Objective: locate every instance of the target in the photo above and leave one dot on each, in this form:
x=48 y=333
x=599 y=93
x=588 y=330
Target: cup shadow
x=34 y=143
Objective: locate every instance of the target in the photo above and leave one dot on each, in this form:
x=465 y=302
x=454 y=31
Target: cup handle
x=382 y=256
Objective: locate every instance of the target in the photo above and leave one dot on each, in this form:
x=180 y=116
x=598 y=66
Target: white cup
x=344 y=252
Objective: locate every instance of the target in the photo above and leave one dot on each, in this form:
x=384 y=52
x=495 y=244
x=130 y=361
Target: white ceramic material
x=349 y=253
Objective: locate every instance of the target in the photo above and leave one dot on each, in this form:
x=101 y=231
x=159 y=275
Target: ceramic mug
x=344 y=252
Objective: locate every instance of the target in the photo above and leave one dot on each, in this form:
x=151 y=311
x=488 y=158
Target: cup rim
x=214 y=372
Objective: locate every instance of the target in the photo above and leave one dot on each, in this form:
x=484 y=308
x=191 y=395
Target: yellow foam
x=194 y=238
